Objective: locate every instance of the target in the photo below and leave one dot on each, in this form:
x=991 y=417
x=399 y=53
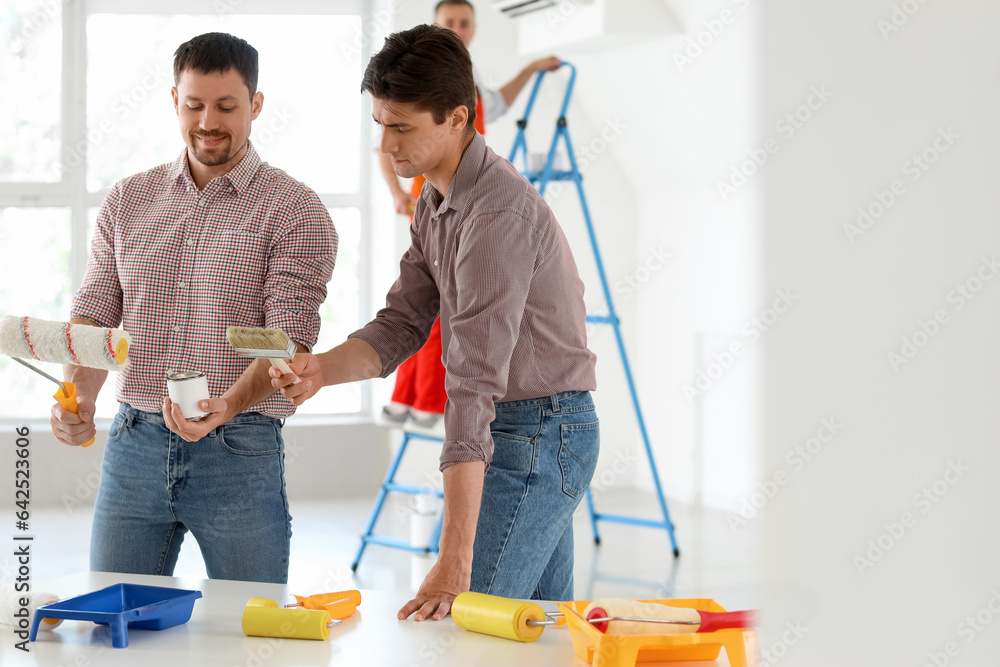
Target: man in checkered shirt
x=216 y=238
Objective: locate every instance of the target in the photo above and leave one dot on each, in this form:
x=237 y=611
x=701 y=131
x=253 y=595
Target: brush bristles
x=251 y=342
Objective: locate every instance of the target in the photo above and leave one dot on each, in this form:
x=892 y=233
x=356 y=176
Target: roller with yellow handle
x=501 y=617
x=264 y=618
x=63 y=343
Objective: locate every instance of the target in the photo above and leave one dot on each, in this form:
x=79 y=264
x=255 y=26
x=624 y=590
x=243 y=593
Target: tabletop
x=214 y=636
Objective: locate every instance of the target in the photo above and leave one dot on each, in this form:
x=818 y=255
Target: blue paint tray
x=121 y=606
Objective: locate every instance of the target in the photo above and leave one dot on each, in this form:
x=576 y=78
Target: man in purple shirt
x=521 y=432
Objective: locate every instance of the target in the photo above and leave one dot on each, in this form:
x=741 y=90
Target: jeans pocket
x=117 y=424
x=250 y=438
x=578 y=456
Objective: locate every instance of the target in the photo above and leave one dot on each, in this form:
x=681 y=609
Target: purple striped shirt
x=493 y=259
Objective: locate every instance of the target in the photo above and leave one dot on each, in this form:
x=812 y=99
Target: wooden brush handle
x=285 y=370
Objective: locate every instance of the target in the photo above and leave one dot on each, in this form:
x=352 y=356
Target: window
x=86 y=90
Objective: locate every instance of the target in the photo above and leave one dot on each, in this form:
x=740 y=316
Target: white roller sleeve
x=633 y=609
x=62 y=343
x=10 y=603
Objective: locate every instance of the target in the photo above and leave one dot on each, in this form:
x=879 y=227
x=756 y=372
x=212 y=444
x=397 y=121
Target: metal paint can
x=187 y=389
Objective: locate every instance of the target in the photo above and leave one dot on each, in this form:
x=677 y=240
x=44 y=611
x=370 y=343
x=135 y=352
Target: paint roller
x=264 y=618
x=12 y=602
x=501 y=617
x=630 y=617
x=63 y=343
x=524 y=621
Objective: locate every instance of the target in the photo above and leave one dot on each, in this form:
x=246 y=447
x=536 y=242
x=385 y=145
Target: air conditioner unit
x=588 y=26
x=514 y=8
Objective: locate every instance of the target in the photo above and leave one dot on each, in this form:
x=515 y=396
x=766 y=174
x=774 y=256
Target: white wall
x=876 y=572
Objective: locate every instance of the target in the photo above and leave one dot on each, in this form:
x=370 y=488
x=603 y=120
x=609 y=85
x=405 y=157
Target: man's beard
x=209 y=157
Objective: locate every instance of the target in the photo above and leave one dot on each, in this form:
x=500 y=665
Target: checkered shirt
x=174 y=266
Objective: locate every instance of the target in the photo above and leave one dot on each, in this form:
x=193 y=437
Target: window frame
x=71 y=190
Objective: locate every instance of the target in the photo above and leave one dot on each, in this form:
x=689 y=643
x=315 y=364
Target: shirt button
x=201 y=202
x=190 y=242
x=177 y=328
x=182 y=284
x=435 y=262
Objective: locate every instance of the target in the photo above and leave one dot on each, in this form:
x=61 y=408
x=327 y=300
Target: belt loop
x=555 y=402
x=130 y=417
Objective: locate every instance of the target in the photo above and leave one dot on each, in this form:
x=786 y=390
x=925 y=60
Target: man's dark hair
x=426 y=66
x=446 y=3
x=218 y=52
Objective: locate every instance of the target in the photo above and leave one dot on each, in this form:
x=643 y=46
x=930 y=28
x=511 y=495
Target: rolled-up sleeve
x=411 y=306
x=299 y=267
x=496 y=259
x=99 y=298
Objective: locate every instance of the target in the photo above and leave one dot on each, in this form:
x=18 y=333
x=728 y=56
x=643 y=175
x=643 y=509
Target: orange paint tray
x=601 y=650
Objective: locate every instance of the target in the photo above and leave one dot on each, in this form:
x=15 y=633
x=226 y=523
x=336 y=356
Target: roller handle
x=718 y=620
x=68 y=402
x=341 y=609
x=285 y=370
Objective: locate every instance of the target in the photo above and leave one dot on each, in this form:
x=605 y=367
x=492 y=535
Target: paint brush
x=271 y=344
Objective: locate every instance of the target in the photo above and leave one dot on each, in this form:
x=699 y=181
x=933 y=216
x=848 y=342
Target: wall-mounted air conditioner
x=514 y=8
x=593 y=26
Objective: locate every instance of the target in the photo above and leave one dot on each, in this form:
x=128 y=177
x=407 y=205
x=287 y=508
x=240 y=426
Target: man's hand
x=305 y=366
x=193 y=431
x=74 y=429
x=403 y=202
x=549 y=64
x=443 y=583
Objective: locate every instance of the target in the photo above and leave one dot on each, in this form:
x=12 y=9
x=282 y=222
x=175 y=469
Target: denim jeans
x=545 y=452
x=228 y=489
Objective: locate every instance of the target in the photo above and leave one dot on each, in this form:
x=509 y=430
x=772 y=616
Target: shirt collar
x=239 y=177
x=460 y=188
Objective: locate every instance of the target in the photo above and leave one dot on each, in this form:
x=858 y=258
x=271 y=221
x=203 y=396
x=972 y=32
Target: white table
x=213 y=636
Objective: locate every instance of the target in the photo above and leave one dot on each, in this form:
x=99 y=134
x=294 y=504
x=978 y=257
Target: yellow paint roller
x=501 y=617
x=63 y=343
x=264 y=618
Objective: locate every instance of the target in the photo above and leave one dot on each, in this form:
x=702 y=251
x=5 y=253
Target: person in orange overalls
x=419 y=392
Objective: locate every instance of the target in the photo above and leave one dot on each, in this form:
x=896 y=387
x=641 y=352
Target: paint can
x=187 y=389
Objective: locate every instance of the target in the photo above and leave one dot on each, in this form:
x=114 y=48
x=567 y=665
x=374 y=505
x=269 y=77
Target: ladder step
x=412 y=489
x=602 y=319
x=394 y=542
x=553 y=176
x=630 y=520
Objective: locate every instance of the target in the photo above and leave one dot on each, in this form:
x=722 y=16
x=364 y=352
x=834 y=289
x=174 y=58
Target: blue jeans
x=228 y=489
x=544 y=455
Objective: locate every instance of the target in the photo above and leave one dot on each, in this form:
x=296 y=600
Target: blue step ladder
x=390 y=484
x=541 y=179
